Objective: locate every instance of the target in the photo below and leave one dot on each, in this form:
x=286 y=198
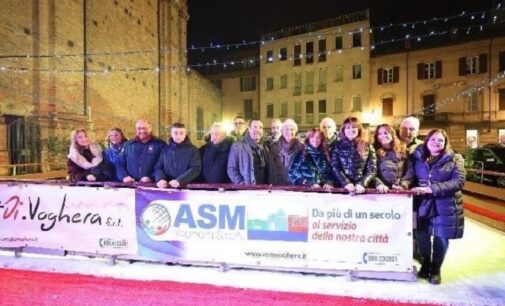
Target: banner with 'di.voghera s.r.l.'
x=81 y=219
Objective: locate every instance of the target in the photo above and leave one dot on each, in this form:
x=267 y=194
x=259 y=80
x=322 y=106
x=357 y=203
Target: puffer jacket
x=390 y=169
x=310 y=167
x=439 y=213
x=349 y=167
x=139 y=159
x=178 y=161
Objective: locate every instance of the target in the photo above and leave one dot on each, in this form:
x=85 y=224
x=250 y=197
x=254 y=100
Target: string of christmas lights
x=231 y=63
x=235 y=45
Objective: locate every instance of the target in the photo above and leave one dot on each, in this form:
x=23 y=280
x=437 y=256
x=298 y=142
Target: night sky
x=226 y=21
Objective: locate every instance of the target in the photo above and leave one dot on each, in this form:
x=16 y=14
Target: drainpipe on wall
x=159 y=67
x=85 y=58
x=490 y=89
x=407 y=86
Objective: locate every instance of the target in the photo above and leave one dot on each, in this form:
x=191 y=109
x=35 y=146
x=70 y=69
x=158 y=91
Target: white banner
x=278 y=229
x=82 y=219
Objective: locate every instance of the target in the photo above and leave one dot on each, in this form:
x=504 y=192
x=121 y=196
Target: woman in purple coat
x=439 y=175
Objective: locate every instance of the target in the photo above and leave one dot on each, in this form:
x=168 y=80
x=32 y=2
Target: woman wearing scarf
x=311 y=166
x=115 y=142
x=284 y=151
x=85 y=159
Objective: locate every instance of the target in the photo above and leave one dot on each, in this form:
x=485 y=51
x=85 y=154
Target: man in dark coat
x=215 y=156
x=140 y=155
x=179 y=161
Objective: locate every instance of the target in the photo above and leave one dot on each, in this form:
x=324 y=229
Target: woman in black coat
x=311 y=166
x=439 y=175
x=353 y=160
x=391 y=158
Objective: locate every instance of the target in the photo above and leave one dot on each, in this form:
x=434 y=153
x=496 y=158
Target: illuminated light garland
x=243 y=61
x=430 y=109
x=244 y=43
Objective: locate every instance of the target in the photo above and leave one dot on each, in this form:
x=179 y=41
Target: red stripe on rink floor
x=18 y=287
x=484 y=212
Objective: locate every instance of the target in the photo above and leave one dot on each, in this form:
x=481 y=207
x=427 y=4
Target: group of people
x=326 y=158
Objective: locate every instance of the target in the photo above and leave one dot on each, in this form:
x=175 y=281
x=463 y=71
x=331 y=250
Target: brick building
x=93 y=64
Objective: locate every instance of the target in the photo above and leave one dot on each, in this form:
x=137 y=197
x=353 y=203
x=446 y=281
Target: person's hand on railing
x=145 y=179
x=382 y=188
x=174 y=184
x=128 y=179
x=162 y=184
x=360 y=188
x=422 y=190
x=91 y=178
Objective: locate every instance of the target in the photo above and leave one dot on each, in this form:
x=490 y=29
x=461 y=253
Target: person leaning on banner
x=179 y=161
x=311 y=166
x=85 y=160
x=438 y=174
x=353 y=161
x=391 y=159
x=409 y=130
x=139 y=155
x=329 y=128
x=215 y=156
x=248 y=162
x=283 y=152
x=115 y=142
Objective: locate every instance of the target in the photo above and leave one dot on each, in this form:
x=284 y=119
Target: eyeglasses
x=238 y=123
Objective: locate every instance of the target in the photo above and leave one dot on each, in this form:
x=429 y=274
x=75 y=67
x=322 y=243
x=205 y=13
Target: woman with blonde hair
x=353 y=159
x=85 y=159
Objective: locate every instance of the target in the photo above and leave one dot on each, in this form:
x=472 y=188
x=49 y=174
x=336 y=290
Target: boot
x=424 y=272
x=435 y=277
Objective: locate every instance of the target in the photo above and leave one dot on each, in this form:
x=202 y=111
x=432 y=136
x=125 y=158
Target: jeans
x=435 y=250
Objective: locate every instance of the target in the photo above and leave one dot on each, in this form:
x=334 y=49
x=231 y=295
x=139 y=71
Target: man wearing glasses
x=239 y=128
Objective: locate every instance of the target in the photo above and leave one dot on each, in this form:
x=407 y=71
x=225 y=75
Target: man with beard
x=248 y=162
x=139 y=155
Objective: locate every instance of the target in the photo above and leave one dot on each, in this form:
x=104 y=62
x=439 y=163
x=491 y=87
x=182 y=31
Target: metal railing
x=15 y=167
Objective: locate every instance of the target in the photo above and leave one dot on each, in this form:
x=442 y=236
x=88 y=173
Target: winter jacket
x=84 y=161
x=178 y=161
x=349 y=167
x=138 y=159
x=215 y=162
x=241 y=162
x=310 y=167
x=111 y=157
x=390 y=169
x=281 y=159
x=441 y=212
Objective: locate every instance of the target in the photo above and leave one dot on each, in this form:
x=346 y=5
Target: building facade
x=317 y=70
x=446 y=87
x=91 y=64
